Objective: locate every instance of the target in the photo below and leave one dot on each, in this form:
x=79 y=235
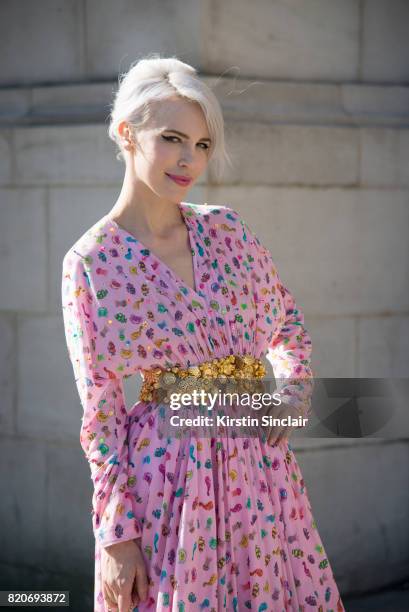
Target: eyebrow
x=184 y=135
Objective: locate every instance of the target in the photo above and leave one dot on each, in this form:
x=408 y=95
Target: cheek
x=163 y=152
x=154 y=162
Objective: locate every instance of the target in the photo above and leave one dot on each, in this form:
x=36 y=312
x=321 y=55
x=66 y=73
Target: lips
x=179 y=180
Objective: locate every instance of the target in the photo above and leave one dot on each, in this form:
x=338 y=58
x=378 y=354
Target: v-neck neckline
x=160 y=262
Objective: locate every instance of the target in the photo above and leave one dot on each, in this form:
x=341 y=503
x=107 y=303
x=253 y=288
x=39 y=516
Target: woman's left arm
x=290 y=347
x=289 y=354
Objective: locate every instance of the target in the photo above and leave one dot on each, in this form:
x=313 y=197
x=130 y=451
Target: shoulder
x=213 y=212
x=228 y=220
x=235 y=221
x=89 y=246
x=204 y=210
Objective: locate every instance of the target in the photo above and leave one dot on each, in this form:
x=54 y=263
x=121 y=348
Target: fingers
x=278 y=433
x=281 y=438
x=275 y=430
x=273 y=435
x=125 y=603
x=110 y=598
x=283 y=435
x=141 y=582
x=135 y=595
x=278 y=436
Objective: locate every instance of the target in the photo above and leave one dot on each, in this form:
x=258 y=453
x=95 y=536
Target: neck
x=139 y=208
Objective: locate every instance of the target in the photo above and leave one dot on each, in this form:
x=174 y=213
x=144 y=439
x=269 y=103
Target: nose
x=188 y=155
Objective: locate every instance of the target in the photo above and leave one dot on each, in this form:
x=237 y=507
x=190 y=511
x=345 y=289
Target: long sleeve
x=105 y=422
x=289 y=347
x=289 y=353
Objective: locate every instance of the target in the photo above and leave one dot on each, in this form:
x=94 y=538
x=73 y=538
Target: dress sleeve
x=290 y=347
x=105 y=422
x=289 y=353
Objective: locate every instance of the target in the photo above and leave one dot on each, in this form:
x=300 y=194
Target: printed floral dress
x=226 y=524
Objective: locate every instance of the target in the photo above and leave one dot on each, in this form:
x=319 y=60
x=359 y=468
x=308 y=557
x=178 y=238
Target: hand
x=278 y=433
x=124 y=577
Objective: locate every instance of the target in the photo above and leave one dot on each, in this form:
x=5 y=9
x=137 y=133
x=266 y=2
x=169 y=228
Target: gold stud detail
x=233 y=371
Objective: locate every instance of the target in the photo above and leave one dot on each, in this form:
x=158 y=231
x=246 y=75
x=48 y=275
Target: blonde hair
x=154 y=78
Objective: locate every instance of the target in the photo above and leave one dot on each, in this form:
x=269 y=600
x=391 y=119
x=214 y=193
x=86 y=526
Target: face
x=175 y=141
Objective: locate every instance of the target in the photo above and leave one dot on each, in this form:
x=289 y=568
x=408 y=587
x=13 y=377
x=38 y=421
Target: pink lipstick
x=179 y=179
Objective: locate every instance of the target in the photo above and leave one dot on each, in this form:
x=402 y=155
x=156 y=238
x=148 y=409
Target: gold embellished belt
x=237 y=373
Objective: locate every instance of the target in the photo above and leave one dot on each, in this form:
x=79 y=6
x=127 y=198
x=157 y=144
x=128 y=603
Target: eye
x=169 y=139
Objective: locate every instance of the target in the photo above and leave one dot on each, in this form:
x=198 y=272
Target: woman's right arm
x=105 y=420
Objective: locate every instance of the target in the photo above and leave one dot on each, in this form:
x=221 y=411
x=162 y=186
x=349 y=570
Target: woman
x=186 y=522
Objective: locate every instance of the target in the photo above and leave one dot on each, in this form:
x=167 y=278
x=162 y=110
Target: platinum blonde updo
x=155 y=78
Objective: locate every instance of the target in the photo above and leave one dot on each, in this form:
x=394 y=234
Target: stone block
x=383 y=346
x=385 y=157
x=5 y=157
x=22 y=510
x=41 y=41
x=8 y=377
x=291 y=154
x=385 y=44
x=120 y=33
x=283 y=40
x=68 y=505
x=48 y=402
x=61 y=155
x=23 y=237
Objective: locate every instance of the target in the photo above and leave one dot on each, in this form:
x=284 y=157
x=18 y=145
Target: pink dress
x=226 y=524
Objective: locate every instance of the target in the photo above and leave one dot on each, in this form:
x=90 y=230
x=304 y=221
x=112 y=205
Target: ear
x=127 y=136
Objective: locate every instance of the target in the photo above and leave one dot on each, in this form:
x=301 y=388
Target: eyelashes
x=169 y=139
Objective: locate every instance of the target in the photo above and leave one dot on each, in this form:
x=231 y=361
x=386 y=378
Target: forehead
x=184 y=115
